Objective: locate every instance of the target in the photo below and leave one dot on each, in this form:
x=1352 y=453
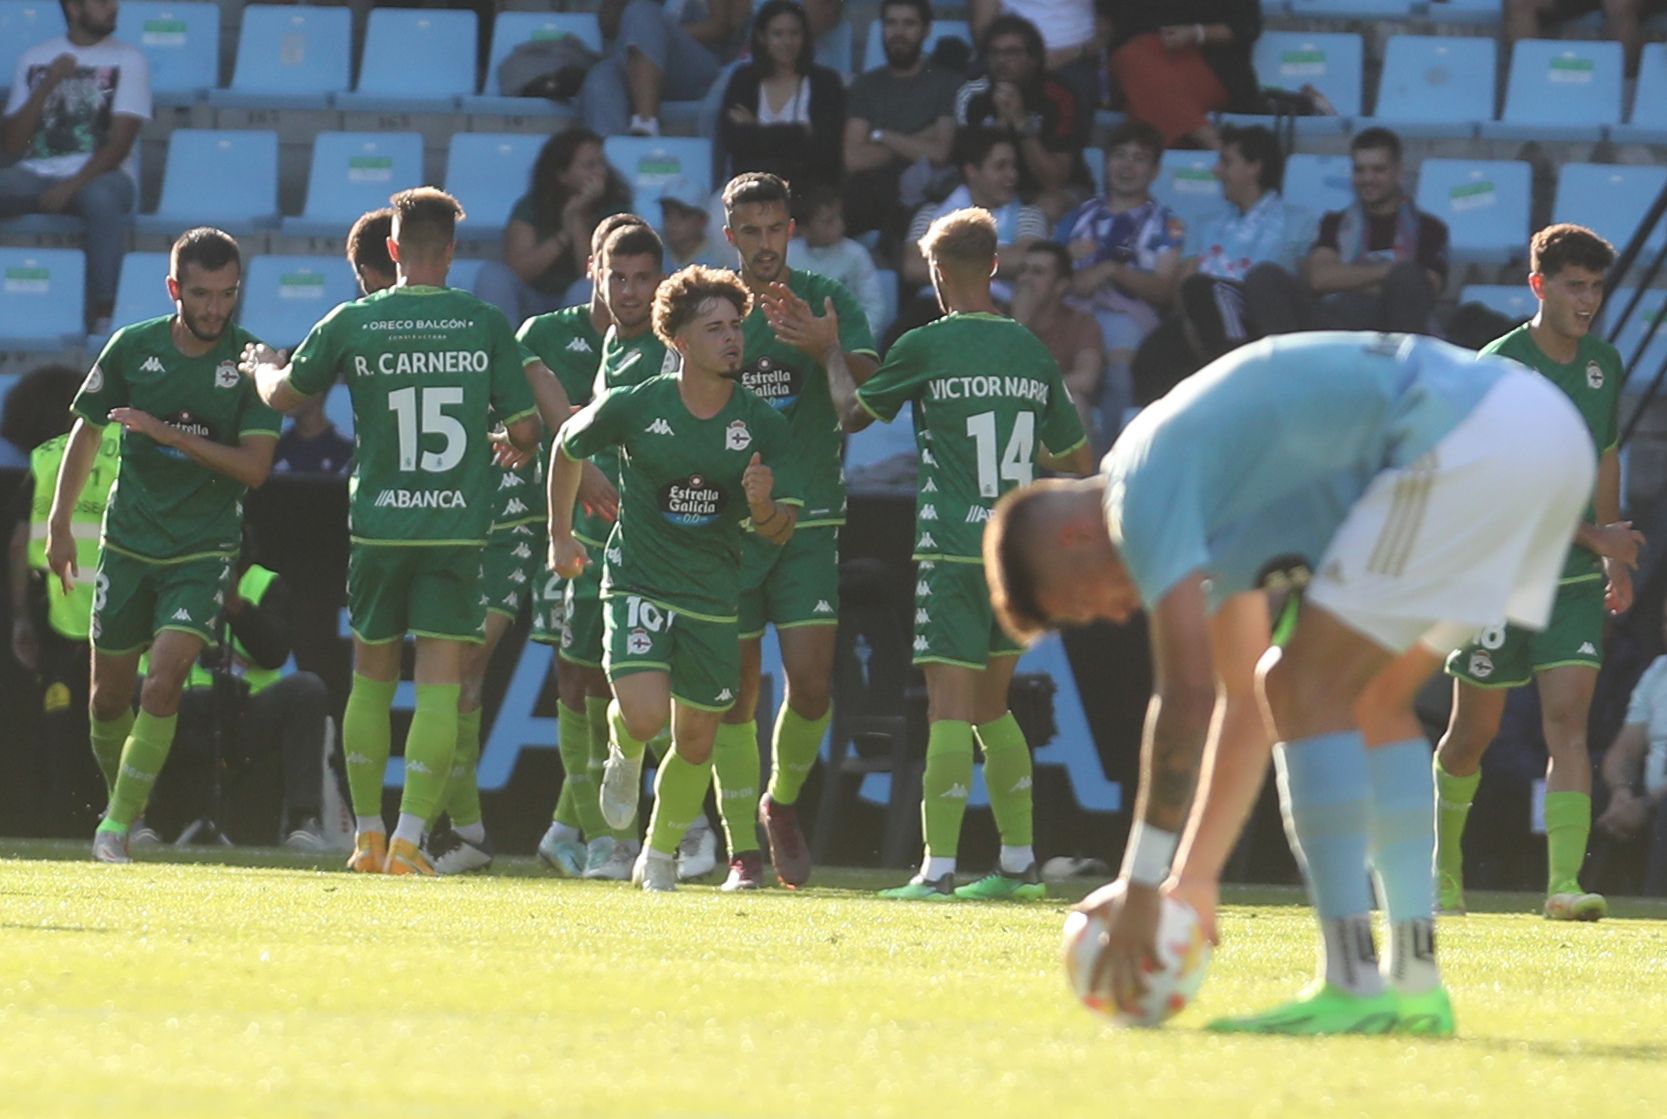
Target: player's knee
x=162 y=688
x=642 y=724
x=808 y=695
x=695 y=753
x=106 y=704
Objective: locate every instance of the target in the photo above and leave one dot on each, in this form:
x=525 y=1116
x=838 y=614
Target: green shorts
x=954 y=622
x=1508 y=656
x=549 y=607
x=424 y=590
x=581 y=621
x=796 y=584
x=136 y=599
x=702 y=657
x=509 y=568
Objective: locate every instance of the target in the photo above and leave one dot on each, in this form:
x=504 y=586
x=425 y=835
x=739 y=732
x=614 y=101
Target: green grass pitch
x=275 y=988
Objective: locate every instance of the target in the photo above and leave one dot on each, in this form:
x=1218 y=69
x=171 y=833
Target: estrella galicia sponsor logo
x=188 y=423
x=692 y=501
x=778 y=384
x=421 y=499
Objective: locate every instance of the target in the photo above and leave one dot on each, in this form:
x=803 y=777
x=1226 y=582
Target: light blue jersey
x=1248 y=468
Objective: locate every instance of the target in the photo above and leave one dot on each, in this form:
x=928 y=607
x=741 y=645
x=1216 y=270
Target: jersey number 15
x=428 y=405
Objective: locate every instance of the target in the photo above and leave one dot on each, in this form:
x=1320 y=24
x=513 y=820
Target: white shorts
x=1475 y=530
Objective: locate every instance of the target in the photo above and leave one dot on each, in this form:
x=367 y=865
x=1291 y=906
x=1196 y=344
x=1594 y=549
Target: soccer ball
x=1183 y=959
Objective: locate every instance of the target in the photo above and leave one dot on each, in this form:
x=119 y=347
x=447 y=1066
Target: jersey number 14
x=421 y=412
x=1017 y=464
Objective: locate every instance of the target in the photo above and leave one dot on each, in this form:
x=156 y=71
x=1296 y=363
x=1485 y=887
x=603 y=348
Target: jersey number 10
x=1018 y=462
x=404 y=403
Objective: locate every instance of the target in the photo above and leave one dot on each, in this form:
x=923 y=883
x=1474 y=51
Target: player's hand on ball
x=1131 y=915
x=1202 y=895
x=568 y=557
x=758 y=481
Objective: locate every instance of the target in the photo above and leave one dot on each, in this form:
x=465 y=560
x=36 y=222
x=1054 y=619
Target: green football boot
x=1426 y=1015
x=919 y=889
x=998 y=885
x=1321 y=1010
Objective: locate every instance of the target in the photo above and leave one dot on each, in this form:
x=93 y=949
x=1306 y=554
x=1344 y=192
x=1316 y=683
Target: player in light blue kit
x=1429 y=491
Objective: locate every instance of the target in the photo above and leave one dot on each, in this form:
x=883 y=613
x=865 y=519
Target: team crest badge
x=1481 y=665
x=1594 y=375
x=225 y=375
x=737 y=437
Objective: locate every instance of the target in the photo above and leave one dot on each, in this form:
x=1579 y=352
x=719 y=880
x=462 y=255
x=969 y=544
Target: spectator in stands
x=1633 y=774
x=72 y=117
x=311 y=444
x=686 y=222
x=781 y=112
x=1127 y=252
x=547 y=240
x=1071 y=36
x=900 y=123
x=1071 y=337
x=661 y=51
x=1254 y=225
x=1623 y=21
x=1039 y=113
x=822 y=247
x=1378 y=265
x=989 y=166
x=1178 y=60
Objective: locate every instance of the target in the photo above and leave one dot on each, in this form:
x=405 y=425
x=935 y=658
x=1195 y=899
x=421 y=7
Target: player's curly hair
x=682 y=296
x=964 y=238
x=426 y=217
x=1566 y=245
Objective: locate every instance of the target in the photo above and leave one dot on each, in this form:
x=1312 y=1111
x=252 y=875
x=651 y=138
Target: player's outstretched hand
x=758 y=481
x=1620 y=541
x=257 y=353
x=568 y=557
x=598 y=495
x=796 y=324
x=1131 y=915
x=505 y=454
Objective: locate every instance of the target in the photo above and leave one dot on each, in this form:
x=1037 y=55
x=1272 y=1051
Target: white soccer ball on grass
x=1183 y=958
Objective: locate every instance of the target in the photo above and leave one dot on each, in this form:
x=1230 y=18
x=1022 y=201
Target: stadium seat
x=1514 y=301
x=1319 y=183
x=649 y=162
x=1187 y=184
x=1437 y=86
x=509 y=31
x=487 y=172
x=353 y=172
x=837 y=49
x=42 y=298
x=219 y=178
x=142 y=291
x=1350 y=9
x=1610 y=200
x=1484 y=203
x=182 y=44
x=23 y=23
x=415 y=60
x=289 y=57
x=874 y=53
x=888 y=293
x=283 y=296
x=1644 y=361
x=1648 y=123
x=1560 y=90
x=1328 y=61
x=1488 y=12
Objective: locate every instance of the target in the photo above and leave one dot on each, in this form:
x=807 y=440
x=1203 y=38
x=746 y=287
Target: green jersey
x=428 y=370
x=987 y=397
x=1593 y=381
x=569 y=344
x=682 y=508
x=164 y=506
x=796 y=385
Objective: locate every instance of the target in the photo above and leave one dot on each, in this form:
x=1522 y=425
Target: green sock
x=945 y=786
x=1568 y=824
x=793 y=752
x=429 y=747
x=596 y=709
x=659 y=745
x=1007 y=776
x=1452 y=804
x=630 y=747
x=108 y=740
x=142 y=757
x=735 y=769
x=462 y=796
x=573 y=741
x=366 y=741
x=679 y=789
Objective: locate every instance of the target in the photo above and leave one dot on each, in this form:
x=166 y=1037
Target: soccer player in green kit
x=794 y=587
x=699 y=456
x=989 y=406
x=427 y=367
x=1567 y=266
x=195 y=440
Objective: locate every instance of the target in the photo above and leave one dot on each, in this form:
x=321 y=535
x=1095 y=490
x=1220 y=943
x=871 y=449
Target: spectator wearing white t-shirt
x=76 y=105
x=1634 y=774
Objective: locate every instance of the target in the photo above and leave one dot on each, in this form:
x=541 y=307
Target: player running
x=1429 y=490
x=427 y=368
x=989 y=406
x=698 y=455
x=794 y=587
x=195 y=439
x=1567 y=264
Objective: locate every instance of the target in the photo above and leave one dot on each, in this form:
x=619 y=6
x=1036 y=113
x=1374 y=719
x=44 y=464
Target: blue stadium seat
x=1645 y=360
x=142 y=290
x=1187 y=184
x=1484 y=203
x=487 y=172
x=649 y=162
x=219 y=178
x=1648 y=123
x=1329 y=61
x=1436 y=86
x=1560 y=90
x=338 y=409
x=1511 y=300
x=289 y=57
x=1488 y=12
x=416 y=59
x=509 y=31
x=182 y=43
x=837 y=49
x=353 y=172
x=23 y=23
x=1611 y=200
x=42 y=298
x=874 y=53
x=283 y=296
x=1351 y=9
x=1318 y=183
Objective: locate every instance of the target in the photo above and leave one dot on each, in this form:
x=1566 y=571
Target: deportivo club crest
x=737 y=437
x=1594 y=375
x=225 y=375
